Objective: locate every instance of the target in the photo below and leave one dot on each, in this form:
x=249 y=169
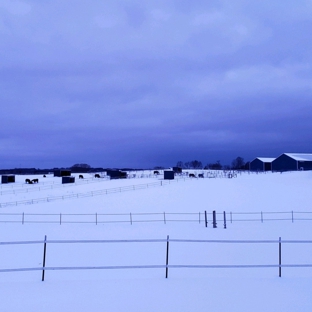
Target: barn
x=7 y=178
x=169 y=175
x=292 y=162
x=62 y=173
x=261 y=164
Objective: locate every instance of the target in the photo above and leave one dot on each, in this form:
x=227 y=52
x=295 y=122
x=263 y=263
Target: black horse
x=28 y=181
x=97 y=175
x=80 y=176
x=35 y=180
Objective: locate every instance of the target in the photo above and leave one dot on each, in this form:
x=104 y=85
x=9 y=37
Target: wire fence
x=212 y=219
x=91 y=193
x=102 y=218
x=166 y=265
x=268 y=216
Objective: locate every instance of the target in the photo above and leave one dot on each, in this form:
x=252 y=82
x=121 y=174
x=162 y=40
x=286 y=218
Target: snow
x=185 y=289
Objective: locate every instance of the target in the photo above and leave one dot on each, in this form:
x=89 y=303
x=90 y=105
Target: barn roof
x=300 y=157
x=266 y=159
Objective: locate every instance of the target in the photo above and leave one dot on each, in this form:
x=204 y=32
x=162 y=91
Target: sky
x=122 y=83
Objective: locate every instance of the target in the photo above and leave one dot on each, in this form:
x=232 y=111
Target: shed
x=7 y=178
x=117 y=174
x=68 y=180
x=292 y=162
x=261 y=164
x=62 y=173
x=169 y=175
x=177 y=169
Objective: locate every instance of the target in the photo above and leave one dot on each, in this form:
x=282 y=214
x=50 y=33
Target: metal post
x=167 y=256
x=206 y=221
x=44 y=256
x=280 y=258
x=164 y=218
x=224 y=219
x=214 y=219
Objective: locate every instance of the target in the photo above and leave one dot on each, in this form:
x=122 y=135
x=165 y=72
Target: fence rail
x=214 y=219
x=166 y=265
x=91 y=193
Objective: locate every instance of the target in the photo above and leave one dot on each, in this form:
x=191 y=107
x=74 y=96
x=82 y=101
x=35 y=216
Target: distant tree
x=180 y=164
x=216 y=166
x=81 y=166
x=195 y=164
x=159 y=167
x=238 y=163
x=187 y=165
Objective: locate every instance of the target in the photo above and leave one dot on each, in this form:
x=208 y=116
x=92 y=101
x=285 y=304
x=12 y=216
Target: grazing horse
x=156 y=172
x=97 y=175
x=28 y=181
x=192 y=175
x=200 y=175
x=44 y=176
x=80 y=176
x=35 y=180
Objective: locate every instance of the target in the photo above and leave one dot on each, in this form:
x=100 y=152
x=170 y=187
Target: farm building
x=169 y=175
x=62 y=173
x=7 y=178
x=261 y=164
x=67 y=179
x=292 y=162
x=177 y=169
x=117 y=174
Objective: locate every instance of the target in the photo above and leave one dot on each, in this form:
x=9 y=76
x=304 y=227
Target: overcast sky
x=133 y=83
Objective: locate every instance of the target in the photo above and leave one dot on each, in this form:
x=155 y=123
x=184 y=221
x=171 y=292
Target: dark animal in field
x=192 y=175
x=97 y=175
x=200 y=175
x=80 y=176
x=44 y=176
x=28 y=181
x=156 y=172
x=35 y=180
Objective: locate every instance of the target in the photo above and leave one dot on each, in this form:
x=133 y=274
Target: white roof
x=265 y=159
x=300 y=157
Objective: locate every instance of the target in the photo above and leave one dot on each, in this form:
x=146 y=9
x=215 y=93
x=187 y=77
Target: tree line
x=238 y=164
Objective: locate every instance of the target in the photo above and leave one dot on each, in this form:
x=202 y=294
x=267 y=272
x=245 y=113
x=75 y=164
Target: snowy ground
x=186 y=289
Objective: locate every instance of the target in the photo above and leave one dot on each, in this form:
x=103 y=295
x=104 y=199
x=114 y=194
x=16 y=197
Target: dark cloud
x=140 y=84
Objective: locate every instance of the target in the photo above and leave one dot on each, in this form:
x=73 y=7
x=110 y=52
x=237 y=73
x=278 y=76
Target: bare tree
x=196 y=164
x=180 y=164
x=238 y=163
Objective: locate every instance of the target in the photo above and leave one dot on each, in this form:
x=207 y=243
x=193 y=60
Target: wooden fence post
x=206 y=221
x=44 y=256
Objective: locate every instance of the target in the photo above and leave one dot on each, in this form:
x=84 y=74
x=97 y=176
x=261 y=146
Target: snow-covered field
x=185 y=289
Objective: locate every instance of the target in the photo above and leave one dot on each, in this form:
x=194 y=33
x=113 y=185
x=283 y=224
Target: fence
x=267 y=216
x=90 y=194
x=101 y=218
x=166 y=266
x=213 y=219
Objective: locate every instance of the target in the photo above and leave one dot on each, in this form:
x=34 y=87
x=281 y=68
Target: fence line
x=157 y=217
x=91 y=193
x=165 y=266
x=101 y=218
x=273 y=216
